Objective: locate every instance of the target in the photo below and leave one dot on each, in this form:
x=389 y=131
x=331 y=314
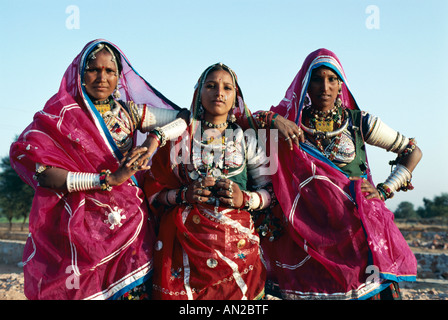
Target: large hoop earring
x=117 y=93
x=338 y=102
x=232 y=117
x=201 y=112
x=307 y=101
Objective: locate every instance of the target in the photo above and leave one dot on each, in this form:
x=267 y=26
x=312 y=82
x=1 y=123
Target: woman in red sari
x=203 y=190
x=340 y=241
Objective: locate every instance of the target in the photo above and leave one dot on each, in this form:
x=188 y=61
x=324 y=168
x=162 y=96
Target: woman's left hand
x=367 y=189
x=230 y=193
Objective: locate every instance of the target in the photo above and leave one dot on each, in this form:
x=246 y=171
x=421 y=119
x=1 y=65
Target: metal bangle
x=399 y=177
x=82 y=181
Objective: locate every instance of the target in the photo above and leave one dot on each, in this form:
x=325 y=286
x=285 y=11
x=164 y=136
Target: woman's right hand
x=197 y=192
x=129 y=165
x=289 y=130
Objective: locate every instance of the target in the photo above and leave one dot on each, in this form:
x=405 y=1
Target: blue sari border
x=389 y=277
x=131 y=286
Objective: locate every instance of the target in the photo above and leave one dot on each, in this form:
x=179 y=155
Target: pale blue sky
x=397 y=72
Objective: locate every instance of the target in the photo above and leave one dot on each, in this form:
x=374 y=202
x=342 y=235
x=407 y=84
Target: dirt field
x=421 y=237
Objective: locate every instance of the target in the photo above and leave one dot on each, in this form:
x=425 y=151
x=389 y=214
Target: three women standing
x=90 y=228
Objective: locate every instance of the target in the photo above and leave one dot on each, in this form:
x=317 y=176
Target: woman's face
x=101 y=77
x=323 y=88
x=218 y=93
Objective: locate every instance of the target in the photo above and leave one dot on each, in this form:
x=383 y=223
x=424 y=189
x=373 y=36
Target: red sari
x=202 y=251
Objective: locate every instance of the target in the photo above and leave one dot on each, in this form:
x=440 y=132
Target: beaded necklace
x=216 y=126
x=103 y=106
x=325 y=121
x=323 y=128
x=216 y=168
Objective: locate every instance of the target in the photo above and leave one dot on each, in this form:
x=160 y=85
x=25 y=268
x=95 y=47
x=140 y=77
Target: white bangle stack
x=381 y=135
x=82 y=181
x=398 y=178
x=174 y=129
x=170 y=131
x=151 y=116
x=258 y=200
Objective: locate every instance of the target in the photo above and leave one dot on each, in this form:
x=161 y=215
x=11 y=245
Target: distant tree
x=434 y=208
x=405 y=210
x=16 y=196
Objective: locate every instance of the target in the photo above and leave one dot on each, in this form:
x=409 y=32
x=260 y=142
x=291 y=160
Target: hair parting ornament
x=218 y=66
x=92 y=56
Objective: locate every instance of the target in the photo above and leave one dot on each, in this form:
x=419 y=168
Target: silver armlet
x=150 y=117
x=381 y=135
x=398 y=178
x=82 y=181
x=172 y=130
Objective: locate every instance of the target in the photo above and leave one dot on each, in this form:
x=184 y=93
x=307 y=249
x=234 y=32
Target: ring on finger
x=293 y=136
x=231 y=202
x=135 y=165
x=199 y=191
x=230 y=185
x=286 y=139
x=200 y=199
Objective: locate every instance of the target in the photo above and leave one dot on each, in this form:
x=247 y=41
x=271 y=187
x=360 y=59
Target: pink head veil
x=292 y=104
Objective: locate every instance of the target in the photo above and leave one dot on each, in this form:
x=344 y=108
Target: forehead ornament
x=101 y=46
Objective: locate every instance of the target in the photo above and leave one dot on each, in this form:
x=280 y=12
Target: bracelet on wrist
x=155 y=137
x=246 y=200
x=104 y=177
x=273 y=119
x=385 y=191
x=181 y=195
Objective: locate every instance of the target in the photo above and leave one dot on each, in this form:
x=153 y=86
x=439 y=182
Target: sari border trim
x=125 y=284
x=364 y=291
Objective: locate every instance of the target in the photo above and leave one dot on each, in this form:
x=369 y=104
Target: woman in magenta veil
x=91 y=233
x=339 y=239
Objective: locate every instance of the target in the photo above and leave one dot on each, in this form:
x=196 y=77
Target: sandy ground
x=11 y=283
x=11 y=276
x=11 y=286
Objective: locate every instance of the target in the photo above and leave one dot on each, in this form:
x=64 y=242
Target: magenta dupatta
x=337 y=244
x=73 y=251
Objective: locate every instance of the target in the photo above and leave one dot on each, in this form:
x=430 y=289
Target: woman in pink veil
x=339 y=240
x=91 y=234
